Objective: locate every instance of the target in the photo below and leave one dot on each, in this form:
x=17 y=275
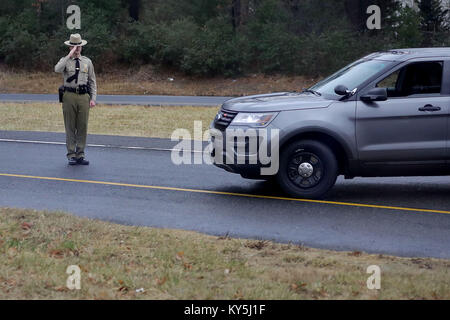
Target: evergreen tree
x=433 y=16
x=408 y=34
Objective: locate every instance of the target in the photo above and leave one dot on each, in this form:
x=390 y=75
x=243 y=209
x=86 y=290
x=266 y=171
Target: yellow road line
x=223 y=193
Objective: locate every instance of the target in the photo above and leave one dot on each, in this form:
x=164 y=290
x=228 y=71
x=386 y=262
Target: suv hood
x=280 y=101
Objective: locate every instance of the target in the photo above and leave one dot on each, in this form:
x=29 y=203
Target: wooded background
x=217 y=37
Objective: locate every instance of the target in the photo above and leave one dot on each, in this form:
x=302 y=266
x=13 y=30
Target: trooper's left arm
x=92 y=84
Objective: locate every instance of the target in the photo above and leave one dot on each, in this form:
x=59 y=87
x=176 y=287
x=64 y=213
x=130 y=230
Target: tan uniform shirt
x=86 y=75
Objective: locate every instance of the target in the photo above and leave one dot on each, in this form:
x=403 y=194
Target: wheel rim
x=305 y=169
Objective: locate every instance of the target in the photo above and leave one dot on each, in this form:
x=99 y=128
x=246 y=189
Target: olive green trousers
x=76 y=116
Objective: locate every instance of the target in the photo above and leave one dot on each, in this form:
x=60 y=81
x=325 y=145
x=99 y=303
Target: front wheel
x=308 y=169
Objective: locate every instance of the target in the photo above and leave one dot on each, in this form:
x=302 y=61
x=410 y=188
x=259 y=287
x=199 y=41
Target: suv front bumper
x=241 y=153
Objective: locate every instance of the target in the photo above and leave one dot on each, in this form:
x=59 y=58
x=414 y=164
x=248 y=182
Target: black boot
x=82 y=161
x=72 y=161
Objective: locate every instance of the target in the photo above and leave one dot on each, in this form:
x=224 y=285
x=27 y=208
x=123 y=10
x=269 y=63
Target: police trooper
x=80 y=94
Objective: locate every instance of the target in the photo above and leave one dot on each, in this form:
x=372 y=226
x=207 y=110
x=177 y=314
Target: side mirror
x=341 y=90
x=375 y=94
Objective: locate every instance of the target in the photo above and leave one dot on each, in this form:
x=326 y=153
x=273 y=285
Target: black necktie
x=77 y=70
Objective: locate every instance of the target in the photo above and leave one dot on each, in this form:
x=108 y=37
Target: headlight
x=254 y=119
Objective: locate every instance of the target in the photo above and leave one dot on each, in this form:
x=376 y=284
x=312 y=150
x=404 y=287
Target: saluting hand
x=72 y=52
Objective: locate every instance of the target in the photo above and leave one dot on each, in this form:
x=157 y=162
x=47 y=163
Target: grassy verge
x=145 y=81
x=115 y=261
x=136 y=121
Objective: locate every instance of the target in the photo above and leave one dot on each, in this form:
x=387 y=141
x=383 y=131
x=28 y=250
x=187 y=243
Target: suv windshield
x=351 y=76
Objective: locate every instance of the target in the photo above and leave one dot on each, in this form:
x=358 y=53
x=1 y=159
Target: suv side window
x=415 y=78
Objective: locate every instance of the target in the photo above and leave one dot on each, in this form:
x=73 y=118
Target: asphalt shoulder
x=93 y=139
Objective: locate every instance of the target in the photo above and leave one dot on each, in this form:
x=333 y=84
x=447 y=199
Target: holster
x=61 y=93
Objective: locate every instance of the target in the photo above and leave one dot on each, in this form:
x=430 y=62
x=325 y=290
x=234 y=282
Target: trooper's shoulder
x=86 y=59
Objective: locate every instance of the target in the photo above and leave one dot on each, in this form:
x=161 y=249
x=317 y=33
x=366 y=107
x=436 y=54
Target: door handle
x=429 y=107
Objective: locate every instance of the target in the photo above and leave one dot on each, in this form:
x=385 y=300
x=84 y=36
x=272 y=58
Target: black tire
x=308 y=169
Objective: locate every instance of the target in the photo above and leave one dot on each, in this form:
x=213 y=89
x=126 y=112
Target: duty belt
x=79 y=90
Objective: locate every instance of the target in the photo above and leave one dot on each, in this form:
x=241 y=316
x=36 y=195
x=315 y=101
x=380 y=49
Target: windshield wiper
x=312 y=91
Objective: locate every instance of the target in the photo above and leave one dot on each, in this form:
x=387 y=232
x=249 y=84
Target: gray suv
x=383 y=115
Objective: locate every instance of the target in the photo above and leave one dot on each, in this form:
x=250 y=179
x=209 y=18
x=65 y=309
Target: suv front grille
x=223 y=119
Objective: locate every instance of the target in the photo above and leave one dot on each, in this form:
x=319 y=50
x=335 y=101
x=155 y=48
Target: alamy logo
x=253 y=146
x=74 y=280
x=74 y=20
x=374 y=281
x=374 y=21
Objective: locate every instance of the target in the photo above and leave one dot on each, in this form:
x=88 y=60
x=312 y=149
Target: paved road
x=142 y=186
x=149 y=100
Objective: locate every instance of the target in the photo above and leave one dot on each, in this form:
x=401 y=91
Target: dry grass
x=136 y=121
x=146 y=81
x=115 y=261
